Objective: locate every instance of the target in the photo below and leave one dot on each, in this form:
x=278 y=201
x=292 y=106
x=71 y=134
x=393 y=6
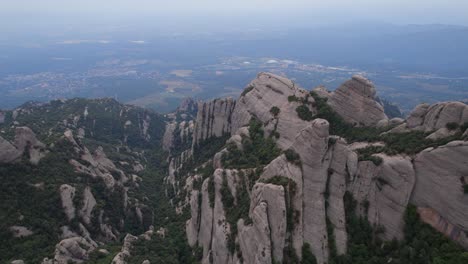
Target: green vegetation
x=409 y=143
x=367 y=154
x=307 y=255
x=465 y=188
x=235 y=207
x=247 y=90
x=452 y=126
x=304 y=113
x=293 y=98
x=211 y=191
x=293 y=157
x=275 y=111
x=257 y=150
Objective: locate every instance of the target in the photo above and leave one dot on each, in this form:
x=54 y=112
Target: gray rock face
x=267 y=91
x=328 y=168
x=74 y=249
x=67 y=193
x=440 y=174
x=254 y=239
x=213 y=119
x=281 y=167
x=8 y=152
x=436 y=116
x=89 y=202
x=355 y=101
x=383 y=192
x=206 y=221
x=337 y=174
x=193 y=225
x=221 y=228
x=20 y=231
x=274 y=197
x=125 y=250
x=25 y=140
x=312 y=145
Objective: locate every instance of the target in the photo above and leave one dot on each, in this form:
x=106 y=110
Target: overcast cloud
x=305 y=11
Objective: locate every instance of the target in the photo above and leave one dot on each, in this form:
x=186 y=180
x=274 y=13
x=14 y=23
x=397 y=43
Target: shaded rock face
x=386 y=190
x=440 y=175
x=355 y=101
x=433 y=117
x=213 y=119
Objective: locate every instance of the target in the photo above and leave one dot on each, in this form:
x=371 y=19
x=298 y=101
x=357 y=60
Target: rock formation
x=355 y=101
x=327 y=168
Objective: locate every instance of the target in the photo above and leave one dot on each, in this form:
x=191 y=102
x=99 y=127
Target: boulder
x=355 y=101
x=20 y=231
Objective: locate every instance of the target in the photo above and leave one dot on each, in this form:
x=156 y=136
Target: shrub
x=247 y=90
x=293 y=98
x=292 y=156
x=304 y=113
x=307 y=255
x=452 y=126
x=211 y=191
x=465 y=188
x=275 y=111
x=257 y=150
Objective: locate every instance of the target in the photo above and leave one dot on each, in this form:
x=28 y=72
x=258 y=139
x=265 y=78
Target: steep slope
x=71 y=173
x=288 y=184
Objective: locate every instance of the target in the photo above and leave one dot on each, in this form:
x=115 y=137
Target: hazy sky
x=308 y=12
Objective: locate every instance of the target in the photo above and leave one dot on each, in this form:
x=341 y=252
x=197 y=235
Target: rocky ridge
x=324 y=169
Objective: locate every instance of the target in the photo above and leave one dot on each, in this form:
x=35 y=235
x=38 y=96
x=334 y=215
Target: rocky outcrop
x=435 y=118
x=89 y=202
x=74 y=249
x=25 y=140
x=274 y=197
x=440 y=175
x=432 y=117
x=312 y=145
x=213 y=119
x=254 y=239
x=8 y=152
x=20 y=231
x=355 y=101
x=326 y=169
x=261 y=95
x=67 y=193
x=282 y=167
x=125 y=251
